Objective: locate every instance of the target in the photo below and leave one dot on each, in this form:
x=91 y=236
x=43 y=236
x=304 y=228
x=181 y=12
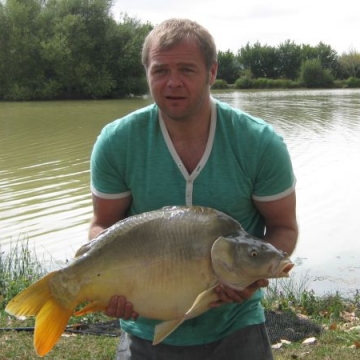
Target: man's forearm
x=95 y=230
x=283 y=238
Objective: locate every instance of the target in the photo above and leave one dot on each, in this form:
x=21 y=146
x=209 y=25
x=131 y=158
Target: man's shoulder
x=239 y=120
x=135 y=119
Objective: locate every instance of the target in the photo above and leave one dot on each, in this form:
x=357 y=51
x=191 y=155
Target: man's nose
x=174 y=79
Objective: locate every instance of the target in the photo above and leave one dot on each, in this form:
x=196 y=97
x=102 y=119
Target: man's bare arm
x=281 y=231
x=280 y=222
x=106 y=213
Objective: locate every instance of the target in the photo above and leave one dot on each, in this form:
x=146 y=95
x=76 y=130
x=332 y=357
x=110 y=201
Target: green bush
x=339 y=84
x=244 y=83
x=313 y=75
x=18 y=92
x=264 y=83
x=352 y=82
x=220 y=84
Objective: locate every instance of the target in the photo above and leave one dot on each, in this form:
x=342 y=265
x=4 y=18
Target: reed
x=19 y=267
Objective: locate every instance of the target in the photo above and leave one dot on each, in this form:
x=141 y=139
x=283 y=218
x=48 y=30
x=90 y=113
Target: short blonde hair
x=174 y=31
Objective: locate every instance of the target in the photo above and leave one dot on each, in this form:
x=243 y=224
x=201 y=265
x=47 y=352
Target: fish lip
x=285 y=269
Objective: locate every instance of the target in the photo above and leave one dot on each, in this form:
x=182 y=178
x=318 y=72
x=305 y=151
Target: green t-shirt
x=244 y=160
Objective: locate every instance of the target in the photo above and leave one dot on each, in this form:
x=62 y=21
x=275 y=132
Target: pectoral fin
x=165 y=328
x=200 y=305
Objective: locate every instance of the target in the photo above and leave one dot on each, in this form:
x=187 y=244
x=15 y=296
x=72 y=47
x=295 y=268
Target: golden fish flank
x=167 y=263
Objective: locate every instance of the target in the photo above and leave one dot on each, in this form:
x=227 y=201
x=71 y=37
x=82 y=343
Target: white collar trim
x=191 y=177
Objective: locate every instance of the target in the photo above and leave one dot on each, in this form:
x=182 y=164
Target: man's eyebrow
x=158 y=66
x=187 y=64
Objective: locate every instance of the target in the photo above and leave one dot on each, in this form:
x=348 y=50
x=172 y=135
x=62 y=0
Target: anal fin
x=90 y=308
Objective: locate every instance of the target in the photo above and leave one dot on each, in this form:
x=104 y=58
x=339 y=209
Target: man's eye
x=158 y=71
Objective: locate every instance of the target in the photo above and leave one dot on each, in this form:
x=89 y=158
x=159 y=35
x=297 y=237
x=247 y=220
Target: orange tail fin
x=51 y=317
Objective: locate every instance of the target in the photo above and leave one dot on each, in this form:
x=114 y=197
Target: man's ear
x=213 y=73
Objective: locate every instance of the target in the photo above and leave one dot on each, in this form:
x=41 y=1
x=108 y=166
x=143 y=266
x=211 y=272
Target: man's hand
x=228 y=295
x=119 y=307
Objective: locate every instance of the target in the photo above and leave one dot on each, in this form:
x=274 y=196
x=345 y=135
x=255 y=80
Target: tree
x=289 y=60
x=21 y=62
x=75 y=47
x=324 y=53
x=68 y=49
x=312 y=74
x=229 y=67
x=124 y=44
x=3 y=48
x=350 y=64
x=260 y=60
x=328 y=57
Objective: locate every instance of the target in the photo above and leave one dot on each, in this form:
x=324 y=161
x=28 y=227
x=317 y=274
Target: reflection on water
x=322 y=131
x=44 y=171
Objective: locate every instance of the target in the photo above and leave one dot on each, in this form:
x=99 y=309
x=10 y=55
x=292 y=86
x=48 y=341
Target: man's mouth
x=175 y=97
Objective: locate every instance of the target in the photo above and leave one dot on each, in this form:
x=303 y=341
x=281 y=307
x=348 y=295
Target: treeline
x=52 y=49
x=68 y=49
x=288 y=65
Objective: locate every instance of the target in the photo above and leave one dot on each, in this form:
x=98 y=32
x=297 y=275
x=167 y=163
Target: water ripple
x=44 y=169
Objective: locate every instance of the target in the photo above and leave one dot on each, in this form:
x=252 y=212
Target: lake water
x=44 y=174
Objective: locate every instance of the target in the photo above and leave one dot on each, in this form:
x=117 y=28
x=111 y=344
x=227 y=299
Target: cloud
x=234 y=24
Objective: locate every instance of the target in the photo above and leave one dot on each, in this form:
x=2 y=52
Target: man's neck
x=190 y=130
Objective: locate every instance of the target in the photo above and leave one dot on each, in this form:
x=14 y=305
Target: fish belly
x=160 y=290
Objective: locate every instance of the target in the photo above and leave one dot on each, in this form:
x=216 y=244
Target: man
x=187 y=149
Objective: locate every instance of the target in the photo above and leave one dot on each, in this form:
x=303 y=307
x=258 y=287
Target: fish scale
x=166 y=262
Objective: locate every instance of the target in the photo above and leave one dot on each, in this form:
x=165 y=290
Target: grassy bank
x=248 y=83
x=337 y=316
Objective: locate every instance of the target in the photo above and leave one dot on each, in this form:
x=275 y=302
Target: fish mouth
x=285 y=269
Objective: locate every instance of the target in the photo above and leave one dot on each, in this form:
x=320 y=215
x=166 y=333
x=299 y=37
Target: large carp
x=166 y=262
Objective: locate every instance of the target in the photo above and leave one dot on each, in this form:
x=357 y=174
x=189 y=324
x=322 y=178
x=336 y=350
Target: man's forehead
x=181 y=53
x=158 y=46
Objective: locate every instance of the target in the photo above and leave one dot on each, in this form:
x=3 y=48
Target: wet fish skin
x=240 y=261
x=166 y=262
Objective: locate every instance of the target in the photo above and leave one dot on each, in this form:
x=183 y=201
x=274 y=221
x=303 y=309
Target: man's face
x=179 y=81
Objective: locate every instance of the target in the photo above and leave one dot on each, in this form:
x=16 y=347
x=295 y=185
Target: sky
x=234 y=23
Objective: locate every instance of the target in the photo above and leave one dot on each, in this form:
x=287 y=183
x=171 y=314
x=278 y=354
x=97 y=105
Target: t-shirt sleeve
x=275 y=178
x=106 y=170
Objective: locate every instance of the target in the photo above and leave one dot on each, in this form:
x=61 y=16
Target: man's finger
x=120 y=309
x=128 y=311
x=259 y=284
x=223 y=296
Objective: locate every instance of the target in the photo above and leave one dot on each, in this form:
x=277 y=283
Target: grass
x=336 y=314
x=19 y=345
x=247 y=82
